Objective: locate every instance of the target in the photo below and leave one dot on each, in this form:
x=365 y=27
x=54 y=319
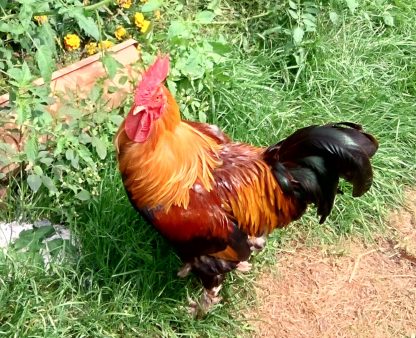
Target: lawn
x=281 y=67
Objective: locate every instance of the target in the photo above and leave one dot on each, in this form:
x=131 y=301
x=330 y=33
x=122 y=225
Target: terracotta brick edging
x=77 y=78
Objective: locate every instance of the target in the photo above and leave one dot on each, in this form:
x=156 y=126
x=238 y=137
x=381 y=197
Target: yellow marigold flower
x=105 y=44
x=124 y=3
x=145 y=26
x=91 y=48
x=138 y=19
x=120 y=33
x=40 y=19
x=72 y=42
x=141 y=22
x=157 y=14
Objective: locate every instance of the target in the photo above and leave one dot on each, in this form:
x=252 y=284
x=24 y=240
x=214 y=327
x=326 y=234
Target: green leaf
x=191 y=65
x=87 y=24
x=100 y=147
x=111 y=65
x=293 y=5
x=388 y=20
x=48 y=36
x=214 y=5
x=38 y=170
x=178 y=29
x=122 y=80
x=34 y=182
x=47 y=160
x=310 y=17
x=293 y=14
x=312 y=7
x=310 y=26
x=83 y=195
x=116 y=119
x=112 y=89
x=47 y=181
x=13 y=26
x=333 y=16
x=220 y=48
x=31 y=149
x=55 y=246
x=31 y=239
x=25 y=14
x=45 y=62
x=84 y=138
x=27 y=76
x=6 y=52
x=15 y=74
x=85 y=154
x=75 y=162
x=69 y=154
x=204 y=17
x=186 y=113
x=172 y=87
x=21 y=76
x=352 y=5
x=96 y=93
x=151 y=5
x=298 y=34
x=202 y=116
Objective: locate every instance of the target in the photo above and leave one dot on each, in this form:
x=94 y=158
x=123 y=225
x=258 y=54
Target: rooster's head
x=150 y=101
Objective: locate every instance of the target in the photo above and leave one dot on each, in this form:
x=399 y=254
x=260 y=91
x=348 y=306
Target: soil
x=360 y=290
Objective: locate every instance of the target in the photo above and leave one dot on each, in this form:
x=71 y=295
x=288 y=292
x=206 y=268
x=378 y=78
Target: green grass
x=123 y=283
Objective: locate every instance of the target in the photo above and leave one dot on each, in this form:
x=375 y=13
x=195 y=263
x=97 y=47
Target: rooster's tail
x=309 y=163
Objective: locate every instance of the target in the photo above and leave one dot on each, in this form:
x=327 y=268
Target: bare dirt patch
x=358 y=291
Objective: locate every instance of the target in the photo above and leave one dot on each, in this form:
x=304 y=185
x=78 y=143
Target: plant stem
x=97 y=5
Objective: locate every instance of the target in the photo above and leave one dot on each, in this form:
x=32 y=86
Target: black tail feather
x=310 y=162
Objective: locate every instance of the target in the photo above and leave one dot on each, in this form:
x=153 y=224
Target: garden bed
x=76 y=81
x=79 y=77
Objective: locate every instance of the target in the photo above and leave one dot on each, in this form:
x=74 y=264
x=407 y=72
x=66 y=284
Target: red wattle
x=138 y=126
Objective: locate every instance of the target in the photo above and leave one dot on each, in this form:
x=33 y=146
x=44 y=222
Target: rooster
x=216 y=200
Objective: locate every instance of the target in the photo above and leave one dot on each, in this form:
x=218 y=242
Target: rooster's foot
x=243 y=266
x=185 y=270
x=208 y=299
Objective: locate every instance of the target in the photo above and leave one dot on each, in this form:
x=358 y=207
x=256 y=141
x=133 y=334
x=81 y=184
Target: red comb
x=151 y=79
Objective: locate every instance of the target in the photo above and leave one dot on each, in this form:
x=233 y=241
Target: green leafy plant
x=35 y=32
x=195 y=58
x=63 y=154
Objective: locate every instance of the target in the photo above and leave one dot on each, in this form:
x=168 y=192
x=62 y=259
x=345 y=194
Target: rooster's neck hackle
x=170 y=119
x=161 y=171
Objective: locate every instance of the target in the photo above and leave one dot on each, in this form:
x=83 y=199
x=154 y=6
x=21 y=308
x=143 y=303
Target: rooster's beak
x=138 y=109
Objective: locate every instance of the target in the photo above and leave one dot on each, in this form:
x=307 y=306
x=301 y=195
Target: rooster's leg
x=208 y=299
